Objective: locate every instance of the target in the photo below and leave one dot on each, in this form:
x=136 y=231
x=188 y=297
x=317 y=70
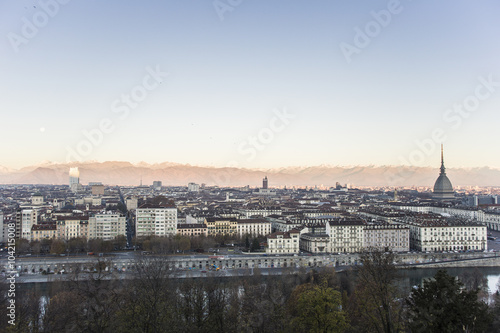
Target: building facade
x=40 y=232
x=192 y=229
x=387 y=237
x=346 y=235
x=221 y=225
x=72 y=227
x=27 y=218
x=153 y=220
x=254 y=227
x=107 y=226
x=283 y=242
x=432 y=232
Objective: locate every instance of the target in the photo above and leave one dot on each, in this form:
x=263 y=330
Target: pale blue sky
x=227 y=78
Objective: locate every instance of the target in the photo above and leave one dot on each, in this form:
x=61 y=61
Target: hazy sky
x=251 y=83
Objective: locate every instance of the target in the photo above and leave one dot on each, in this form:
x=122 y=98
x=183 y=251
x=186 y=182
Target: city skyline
x=250 y=84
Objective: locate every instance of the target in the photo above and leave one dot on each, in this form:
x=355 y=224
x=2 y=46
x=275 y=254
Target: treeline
x=183 y=244
x=366 y=300
x=158 y=245
x=73 y=246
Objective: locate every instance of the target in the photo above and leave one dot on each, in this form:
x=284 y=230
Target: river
x=406 y=280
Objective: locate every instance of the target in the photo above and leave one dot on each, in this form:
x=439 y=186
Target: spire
x=442 y=161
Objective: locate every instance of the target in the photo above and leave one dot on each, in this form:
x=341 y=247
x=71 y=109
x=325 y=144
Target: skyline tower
x=264 y=183
x=443 y=190
x=74 y=179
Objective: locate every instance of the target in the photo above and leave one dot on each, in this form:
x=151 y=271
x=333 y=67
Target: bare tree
x=148 y=302
x=374 y=305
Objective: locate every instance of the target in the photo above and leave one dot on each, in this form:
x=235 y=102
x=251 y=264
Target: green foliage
x=444 y=305
x=247 y=242
x=122 y=208
x=495 y=313
x=318 y=308
x=255 y=245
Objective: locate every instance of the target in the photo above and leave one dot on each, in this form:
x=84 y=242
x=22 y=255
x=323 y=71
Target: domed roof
x=443 y=184
x=443 y=190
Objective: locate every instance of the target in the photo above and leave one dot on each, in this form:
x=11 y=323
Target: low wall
x=87 y=264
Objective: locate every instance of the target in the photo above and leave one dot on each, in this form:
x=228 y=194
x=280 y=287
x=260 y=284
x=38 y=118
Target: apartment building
x=283 y=242
x=155 y=220
x=25 y=219
x=433 y=232
x=387 y=237
x=253 y=227
x=43 y=231
x=107 y=225
x=346 y=235
x=221 y=225
x=192 y=229
x=72 y=227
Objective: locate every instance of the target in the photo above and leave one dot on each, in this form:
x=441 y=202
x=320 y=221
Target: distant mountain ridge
x=129 y=174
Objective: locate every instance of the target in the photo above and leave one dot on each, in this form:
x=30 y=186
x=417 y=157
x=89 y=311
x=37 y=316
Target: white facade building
x=28 y=219
x=346 y=235
x=489 y=218
x=193 y=187
x=132 y=203
x=3 y=229
x=492 y=220
x=37 y=199
x=155 y=220
x=387 y=237
x=254 y=227
x=432 y=232
x=248 y=212
x=315 y=243
x=107 y=226
x=283 y=242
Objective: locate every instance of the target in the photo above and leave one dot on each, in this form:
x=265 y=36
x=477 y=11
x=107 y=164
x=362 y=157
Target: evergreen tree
x=444 y=305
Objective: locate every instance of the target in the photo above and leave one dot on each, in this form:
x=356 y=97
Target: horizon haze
x=174 y=174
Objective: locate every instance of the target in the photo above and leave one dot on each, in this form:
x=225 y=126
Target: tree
x=22 y=245
x=36 y=247
x=443 y=304
x=183 y=243
x=495 y=312
x=28 y=313
x=475 y=280
x=46 y=244
x=58 y=246
x=263 y=305
x=76 y=245
x=61 y=312
x=374 y=304
x=149 y=301
x=247 y=242
x=98 y=298
x=318 y=308
x=119 y=242
x=255 y=245
x=122 y=208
